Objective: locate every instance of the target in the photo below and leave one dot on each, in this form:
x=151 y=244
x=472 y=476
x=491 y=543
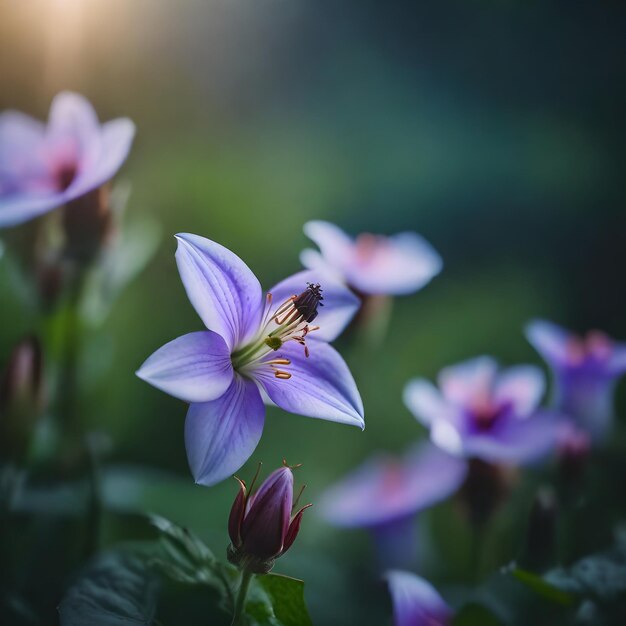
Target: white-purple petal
x=334 y=244
x=320 y=386
x=221 y=435
x=338 y=307
x=467 y=382
x=386 y=489
x=397 y=265
x=550 y=340
x=415 y=601
x=425 y=401
x=521 y=387
x=194 y=368
x=221 y=287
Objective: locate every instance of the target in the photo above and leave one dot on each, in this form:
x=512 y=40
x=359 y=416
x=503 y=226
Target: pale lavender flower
x=372 y=264
x=480 y=412
x=416 y=602
x=585 y=371
x=385 y=494
x=258 y=347
x=45 y=166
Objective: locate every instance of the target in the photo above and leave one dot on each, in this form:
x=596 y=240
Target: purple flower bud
x=260 y=525
x=21 y=397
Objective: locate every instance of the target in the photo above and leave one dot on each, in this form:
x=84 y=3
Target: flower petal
x=516 y=442
x=415 y=601
x=468 y=382
x=320 y=386
x=221 y=435
x=550 y=340
x=222 y=289
x=336 y=309
x=398 y=487
x=400 y=265
x=333 y=243
x=194 y=368
x=522 y=386
x=73 y=118
x=425 y=402
x=116 y=140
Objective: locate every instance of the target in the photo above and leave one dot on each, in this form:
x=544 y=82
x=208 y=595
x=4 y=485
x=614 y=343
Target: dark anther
x=308 y=301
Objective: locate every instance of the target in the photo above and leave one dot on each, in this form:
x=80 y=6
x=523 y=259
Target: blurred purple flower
x=416 y=602
x=43 y=167
x=479 y=412
x=261 y=527
x=585 y=371
x=372 y=264
x=258 y=348
x=385 y=494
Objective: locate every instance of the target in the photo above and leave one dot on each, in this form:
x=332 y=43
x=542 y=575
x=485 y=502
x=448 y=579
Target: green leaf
x=116 y=590
x=475 y=615
x=185 y=558
x=543 y=588
x=284 y=602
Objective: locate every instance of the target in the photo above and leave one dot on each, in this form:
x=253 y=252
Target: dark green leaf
x=543 y=588
x=116 y=590
x=475 y=615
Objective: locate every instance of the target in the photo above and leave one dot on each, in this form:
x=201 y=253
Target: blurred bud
x=486 y=487
x=21 y=398
x=88 y=223
x=260 y=525
x=541 y=532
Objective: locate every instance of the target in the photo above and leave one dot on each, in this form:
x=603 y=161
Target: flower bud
x=260 y=525
x=21 y=398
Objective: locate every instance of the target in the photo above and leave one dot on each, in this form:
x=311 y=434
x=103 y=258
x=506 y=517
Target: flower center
x=65 y=175
x=289 y=322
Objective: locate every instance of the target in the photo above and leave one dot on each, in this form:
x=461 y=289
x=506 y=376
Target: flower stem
x=240 y=602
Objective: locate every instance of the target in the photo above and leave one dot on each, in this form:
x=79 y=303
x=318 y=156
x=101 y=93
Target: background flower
x=43 y=167
x=372 y=264
x=585 y=371
x=480 y=412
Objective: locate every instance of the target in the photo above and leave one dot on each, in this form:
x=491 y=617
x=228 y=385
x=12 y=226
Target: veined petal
x=221 y=287
x=468 y=382
x=425 y=401
x=399 y=265
x=194 y=368
x=320 y=386
x=333 y=243
x=221 y=435
x=415 y=601
x=550 y=340
x=522 y=386
x=336 y=309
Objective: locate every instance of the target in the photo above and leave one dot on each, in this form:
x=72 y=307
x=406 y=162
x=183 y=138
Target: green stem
x=240 y=603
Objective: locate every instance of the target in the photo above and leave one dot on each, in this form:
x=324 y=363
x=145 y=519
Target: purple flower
x=385 y=494
x=480 y=412
x=43 y=167
x=372 y=264
x=258 y=348
x=261 y=527
x=585 y=371
x=416 y=602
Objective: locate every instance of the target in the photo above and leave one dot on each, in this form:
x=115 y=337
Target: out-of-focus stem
x=240 y=602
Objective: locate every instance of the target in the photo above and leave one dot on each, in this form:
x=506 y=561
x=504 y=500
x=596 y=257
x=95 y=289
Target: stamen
x=279 y=362
x=282 y=375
